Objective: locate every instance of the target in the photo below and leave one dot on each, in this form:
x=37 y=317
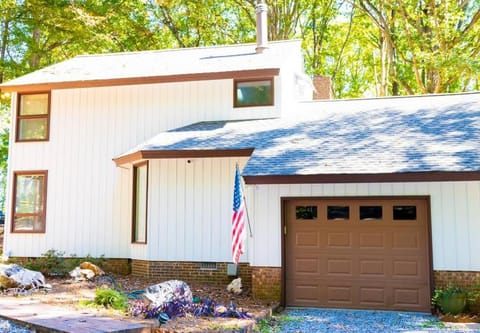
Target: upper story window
x=29 y=201
x=253 y=92
x=33 y=114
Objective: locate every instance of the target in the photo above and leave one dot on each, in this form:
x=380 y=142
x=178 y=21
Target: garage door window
x=368 y=213
x=338 y=212
x=306 y=212
x=405 y=213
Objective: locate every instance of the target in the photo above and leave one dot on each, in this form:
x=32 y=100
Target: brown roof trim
x=196 y=153
x=431 y=176
x=241 y=74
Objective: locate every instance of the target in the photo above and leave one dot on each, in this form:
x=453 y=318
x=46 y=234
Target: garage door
x=358 y=253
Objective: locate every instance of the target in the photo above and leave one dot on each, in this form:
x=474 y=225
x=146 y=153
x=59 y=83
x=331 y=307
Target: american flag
x=238 y=219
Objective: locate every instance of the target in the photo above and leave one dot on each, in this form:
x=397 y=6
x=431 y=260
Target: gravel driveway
x=306 y=320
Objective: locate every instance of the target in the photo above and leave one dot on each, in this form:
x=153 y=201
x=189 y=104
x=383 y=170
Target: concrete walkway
x=48 y=318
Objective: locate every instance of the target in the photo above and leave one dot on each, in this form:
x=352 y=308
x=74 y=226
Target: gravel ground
x=7 y=326
x=304 y=320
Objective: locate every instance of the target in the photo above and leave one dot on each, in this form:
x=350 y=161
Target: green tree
x=428 y=46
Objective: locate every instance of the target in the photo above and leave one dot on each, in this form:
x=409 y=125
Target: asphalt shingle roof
x=392 y=135
x=168 y=62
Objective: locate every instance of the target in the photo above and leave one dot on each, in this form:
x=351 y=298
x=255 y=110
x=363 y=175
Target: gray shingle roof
x=392 y=135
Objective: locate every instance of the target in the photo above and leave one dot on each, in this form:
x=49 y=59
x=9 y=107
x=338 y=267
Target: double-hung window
x=33 y=116
x=29 y=201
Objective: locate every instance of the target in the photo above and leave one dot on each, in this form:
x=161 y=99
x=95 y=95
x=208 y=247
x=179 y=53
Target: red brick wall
x=466 y=279
x=266 y=283
x=118 y=266
x=190 y=272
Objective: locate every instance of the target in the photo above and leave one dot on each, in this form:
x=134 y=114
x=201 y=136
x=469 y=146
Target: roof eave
x=192 y=153
x=406 y=177
x=45 y=86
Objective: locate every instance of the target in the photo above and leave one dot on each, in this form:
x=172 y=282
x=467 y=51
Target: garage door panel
x=407 y=239
x=359 y=258
x=339 y=240
x=307 y=266
x=306 y=239
x=336 y=266
x=340 y=295
x=372 y=240
x=372 y=267
x=370 y=296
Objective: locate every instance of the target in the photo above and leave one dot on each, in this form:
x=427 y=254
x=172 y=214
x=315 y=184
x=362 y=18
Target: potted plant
x=451 y=300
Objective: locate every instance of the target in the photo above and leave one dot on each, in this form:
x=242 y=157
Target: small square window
x=306 y=212
x=371 y=213
x=338 y=212
x=33 y=117
x=253 y=92
x=405 y=213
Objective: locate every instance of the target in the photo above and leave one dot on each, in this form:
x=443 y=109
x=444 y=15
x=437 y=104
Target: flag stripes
x=238 y=219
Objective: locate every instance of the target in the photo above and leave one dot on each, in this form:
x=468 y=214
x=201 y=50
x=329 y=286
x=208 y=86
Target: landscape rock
x=15 y=276
x=235 y=286
x=94 y=268
x=86 y=271
x=168 y=291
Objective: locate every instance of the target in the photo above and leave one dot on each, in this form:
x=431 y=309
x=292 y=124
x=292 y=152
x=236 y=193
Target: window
x=140 y=203
x=29 y=201
x=306 y=212
x=338 y=212
x=253 y=92
x=370 y=213
x=405 y=213
x=33 y=112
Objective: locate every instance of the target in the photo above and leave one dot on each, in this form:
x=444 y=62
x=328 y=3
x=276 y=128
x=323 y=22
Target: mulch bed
x=67 y=293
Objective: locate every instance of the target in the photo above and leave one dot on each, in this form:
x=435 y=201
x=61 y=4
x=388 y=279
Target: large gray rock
x=15 y=276
x=168 y=291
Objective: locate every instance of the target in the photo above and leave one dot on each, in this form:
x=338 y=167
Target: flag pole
x=246 y=207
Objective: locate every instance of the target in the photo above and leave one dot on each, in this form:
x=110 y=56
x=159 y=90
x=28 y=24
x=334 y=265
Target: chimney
x=262 y=32
x=322 y=87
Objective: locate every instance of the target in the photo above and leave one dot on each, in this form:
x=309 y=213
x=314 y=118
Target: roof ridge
x=183 y=49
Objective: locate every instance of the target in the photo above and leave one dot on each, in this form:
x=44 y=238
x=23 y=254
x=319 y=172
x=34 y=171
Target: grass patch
x=274 y=323
x=107 y=298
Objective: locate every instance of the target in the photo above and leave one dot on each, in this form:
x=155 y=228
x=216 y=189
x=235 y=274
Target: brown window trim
x=272 y=96
x=19 y=117
x=134 y=201
x=43 y=215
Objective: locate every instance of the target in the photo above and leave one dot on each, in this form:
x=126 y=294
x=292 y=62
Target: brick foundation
x=190 y=272
x=117 y=266
x=466 y=279
x=267 y=283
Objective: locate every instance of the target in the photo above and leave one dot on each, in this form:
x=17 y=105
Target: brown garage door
x=358 y=253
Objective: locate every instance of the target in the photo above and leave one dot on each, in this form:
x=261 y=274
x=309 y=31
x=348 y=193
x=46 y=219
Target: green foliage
x=110 y=298
x=451 y=299
x=54 y=263
x=274 y=323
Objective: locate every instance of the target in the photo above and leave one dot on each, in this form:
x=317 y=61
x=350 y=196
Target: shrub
x=473 y=301
x=110 y=298
x=451 y=299
x=54 y=263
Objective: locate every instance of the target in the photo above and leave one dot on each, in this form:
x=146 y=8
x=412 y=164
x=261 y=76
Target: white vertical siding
x=190 y=209
x=455 y=217
x=86 y=214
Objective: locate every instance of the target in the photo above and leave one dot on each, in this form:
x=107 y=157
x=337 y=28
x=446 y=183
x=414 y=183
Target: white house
x=363 y=203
